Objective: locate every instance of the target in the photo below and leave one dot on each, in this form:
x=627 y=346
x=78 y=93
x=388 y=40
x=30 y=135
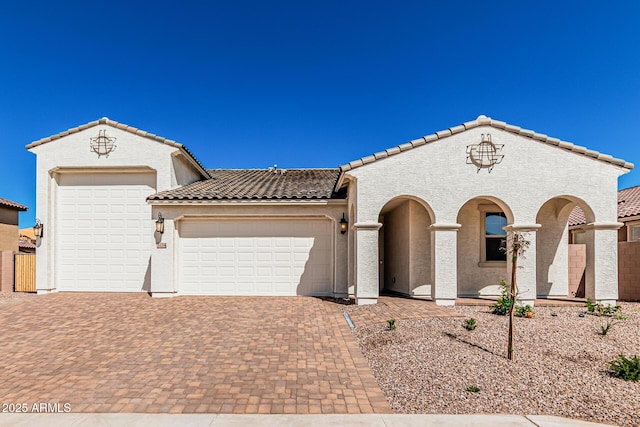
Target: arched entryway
x=561 y=261
x=405 y=247
x=481 y=259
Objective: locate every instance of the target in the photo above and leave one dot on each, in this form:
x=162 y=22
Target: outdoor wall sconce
x=160 y=224
x=343 y=224
x=38 y=229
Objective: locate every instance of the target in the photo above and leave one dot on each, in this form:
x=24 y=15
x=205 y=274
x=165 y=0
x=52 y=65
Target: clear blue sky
x=315 y=84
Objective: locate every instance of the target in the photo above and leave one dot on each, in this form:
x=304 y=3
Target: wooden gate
x=25 y=272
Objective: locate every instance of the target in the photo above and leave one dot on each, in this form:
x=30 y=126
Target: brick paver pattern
x=132 y=353
x=399 y=308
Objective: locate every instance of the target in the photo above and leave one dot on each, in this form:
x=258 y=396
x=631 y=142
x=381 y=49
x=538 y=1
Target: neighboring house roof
x=628 y=206
x=486 y=121
x=126 y=128
x=629 y=202
x=9 y=204
x=251 y=184
x=26 y=244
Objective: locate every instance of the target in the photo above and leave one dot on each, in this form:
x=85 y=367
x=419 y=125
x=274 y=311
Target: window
x=494 y=236
x=633 y=233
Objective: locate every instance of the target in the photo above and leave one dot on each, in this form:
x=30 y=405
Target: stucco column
x=444 y=263
x=601 y=277
x=527 y=265
x=162 y=261
x=367 y=269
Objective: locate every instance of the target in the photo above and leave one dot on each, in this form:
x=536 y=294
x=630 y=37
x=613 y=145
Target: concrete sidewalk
x=231 y=420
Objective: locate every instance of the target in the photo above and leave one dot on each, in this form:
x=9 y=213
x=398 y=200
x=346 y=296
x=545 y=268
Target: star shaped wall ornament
x=485 y=154
x=102 y=144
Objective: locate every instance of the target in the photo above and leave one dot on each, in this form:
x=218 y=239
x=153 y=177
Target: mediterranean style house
x=124 y=210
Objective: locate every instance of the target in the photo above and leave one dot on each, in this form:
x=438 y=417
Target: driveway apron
x=103 y=352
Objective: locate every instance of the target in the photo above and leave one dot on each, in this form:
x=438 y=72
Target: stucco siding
x=474 y=277
x=420 y=250
x=396 y=249
x=439 y=174
x=183 y=172
x=72 y=155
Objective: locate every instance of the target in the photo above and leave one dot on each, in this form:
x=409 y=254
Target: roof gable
x=126 y=128
x=486 y=121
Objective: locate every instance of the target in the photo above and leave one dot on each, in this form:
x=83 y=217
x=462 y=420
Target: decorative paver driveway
x=132 y=353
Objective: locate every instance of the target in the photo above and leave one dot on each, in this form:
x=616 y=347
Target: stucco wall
x=474 y=276
x=72 y=153
x=396 y=249
x=8 y=229
x=419 y=250
x=9 y=238
x=552 y=258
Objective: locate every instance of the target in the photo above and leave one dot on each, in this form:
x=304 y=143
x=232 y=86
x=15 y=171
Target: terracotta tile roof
x=628 y=206
x=629 y=202
x=26 y=244
x=576 y=217
x=256 y=184
x=486 y=121
x=124 y=127
x=9 y=204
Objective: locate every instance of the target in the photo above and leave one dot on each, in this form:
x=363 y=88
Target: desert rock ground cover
x=560 y=365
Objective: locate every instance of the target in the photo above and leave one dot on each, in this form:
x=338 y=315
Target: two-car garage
x=255 y=256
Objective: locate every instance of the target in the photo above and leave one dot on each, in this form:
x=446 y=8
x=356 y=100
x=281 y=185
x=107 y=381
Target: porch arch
x=553 y=248
x=404 y=246
x=479 y=275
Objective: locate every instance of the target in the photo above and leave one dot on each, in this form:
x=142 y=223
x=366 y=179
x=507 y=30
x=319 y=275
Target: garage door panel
x=104 y=232
x=258 y=257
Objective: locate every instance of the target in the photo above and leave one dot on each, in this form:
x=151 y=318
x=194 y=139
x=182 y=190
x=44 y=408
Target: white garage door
x=105 y=232
x=256 y=257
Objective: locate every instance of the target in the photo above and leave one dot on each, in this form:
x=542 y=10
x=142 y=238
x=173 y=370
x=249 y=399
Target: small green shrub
x=392 y=324
x=606 y=327
x=473 y=389
x=470 y=324
x=523 y=310
x=626 y=369
x=501 y=307
x=606 y=310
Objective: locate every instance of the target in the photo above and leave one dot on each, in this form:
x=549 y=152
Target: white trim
x=101 y=169
x=604 y=225
x=445 y=227
x=522 y=227
x=367 y=226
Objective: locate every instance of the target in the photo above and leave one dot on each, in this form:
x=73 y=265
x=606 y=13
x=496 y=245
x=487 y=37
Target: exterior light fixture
x=343 y=224
x=160 y=224
x=38 y=229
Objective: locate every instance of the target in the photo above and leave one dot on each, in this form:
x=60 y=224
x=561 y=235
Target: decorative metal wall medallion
x=485 y=154
x=102 y=144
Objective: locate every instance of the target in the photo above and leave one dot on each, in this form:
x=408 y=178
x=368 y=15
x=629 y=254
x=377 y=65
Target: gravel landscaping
x=560 y=364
